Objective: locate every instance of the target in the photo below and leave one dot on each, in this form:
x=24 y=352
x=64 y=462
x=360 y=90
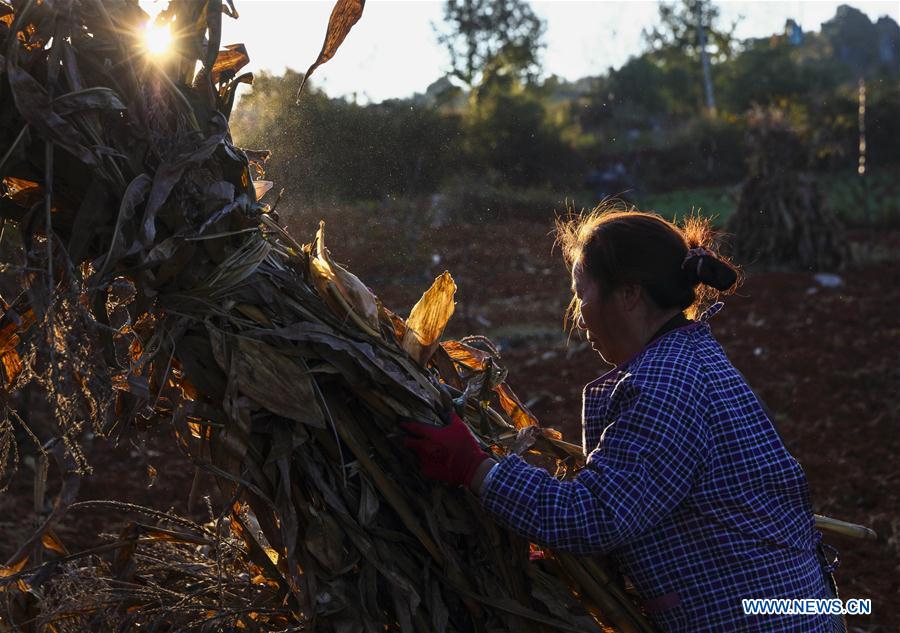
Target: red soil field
x=825 y=360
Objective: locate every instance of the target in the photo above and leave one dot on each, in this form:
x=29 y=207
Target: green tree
x=679 y=27
x=491 y=37
x=331 y=149
x=509 y=139
x=766 y=72
x=692 y=29
x=637 y=91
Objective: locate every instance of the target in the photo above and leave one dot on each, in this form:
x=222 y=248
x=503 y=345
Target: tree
x=509 y=139
x=491 y=36
x=327 y=148
x=692 y=28
x=637 y=92
x=768 y=71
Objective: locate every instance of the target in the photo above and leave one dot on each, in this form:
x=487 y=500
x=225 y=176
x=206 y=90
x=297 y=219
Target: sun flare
x=157 y=38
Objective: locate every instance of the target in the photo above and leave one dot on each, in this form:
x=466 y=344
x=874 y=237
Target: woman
x=687 y=485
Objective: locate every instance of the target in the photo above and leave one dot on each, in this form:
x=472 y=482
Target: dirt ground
x=825 y=360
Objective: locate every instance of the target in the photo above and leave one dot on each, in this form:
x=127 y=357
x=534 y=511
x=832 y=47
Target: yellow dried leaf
x=465 y=355
x=397 y=324
x=514 y=407
x=162 y=535
x=344 y=293
x=189 y=390
x=262 y=187
x=52 y=543
x=552 y=434
x=15 y=568
x=12 y=366
x=428 y=319
x=358 y=295
x=229 y=61
x=344 y=15
x=23 y=192
x=10 y=362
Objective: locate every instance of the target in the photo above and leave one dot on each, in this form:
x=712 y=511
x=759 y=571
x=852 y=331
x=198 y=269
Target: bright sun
x=157 y=38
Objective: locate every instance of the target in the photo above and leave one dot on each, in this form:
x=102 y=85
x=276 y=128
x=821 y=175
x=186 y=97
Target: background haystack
x=781 y=221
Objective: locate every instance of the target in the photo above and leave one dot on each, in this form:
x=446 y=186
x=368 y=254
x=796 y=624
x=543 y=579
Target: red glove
x=447 y=453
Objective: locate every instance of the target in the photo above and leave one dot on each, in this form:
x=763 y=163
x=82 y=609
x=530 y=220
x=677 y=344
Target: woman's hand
x=450 y=454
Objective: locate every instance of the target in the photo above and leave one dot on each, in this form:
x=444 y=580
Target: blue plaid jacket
x=688 y=487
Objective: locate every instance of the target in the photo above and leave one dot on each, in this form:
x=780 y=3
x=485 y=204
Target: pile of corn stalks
x=159 y=288
x=781 y=220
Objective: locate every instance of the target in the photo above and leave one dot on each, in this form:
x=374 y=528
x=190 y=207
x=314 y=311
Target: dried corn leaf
x=229 y=62
x=553 y=434
x=34 y=104
x=344 y=15
x=10 y=361
x=97 y=98
x=341 y=289
x=324 y=540
x=13 y=568
x=428 y=318
x=357 y=295
x=12 y=366
x=49 y=541
x=446 y=368
x=468 y=357
x=269 y=378
x=368 y=504
x=262 y=187
x=398 y=325
x=133 y=197
x=23 y=192
x=201 y=369
x=514 y=407
x=558 y=600
x=252 y=312
x=171 y=171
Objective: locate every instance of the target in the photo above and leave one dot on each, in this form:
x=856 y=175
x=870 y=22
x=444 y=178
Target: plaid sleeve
x=646 y=462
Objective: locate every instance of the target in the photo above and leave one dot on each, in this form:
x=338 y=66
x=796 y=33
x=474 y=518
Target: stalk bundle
x=159 y=288
x=781 y=221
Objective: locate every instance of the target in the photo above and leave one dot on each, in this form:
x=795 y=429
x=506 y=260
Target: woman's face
x=603 y=319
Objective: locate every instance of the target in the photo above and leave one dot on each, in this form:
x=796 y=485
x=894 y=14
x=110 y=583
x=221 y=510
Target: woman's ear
x=631 y=296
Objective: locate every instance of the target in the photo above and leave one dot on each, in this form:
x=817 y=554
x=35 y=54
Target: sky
x=392 y=52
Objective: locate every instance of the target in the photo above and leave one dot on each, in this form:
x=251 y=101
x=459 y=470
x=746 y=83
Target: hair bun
x=701 y=266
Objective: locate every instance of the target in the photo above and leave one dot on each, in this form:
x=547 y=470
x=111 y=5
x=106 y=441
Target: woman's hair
x=617 y=247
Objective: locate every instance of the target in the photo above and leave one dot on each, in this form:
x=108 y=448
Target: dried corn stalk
x=281 y=373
